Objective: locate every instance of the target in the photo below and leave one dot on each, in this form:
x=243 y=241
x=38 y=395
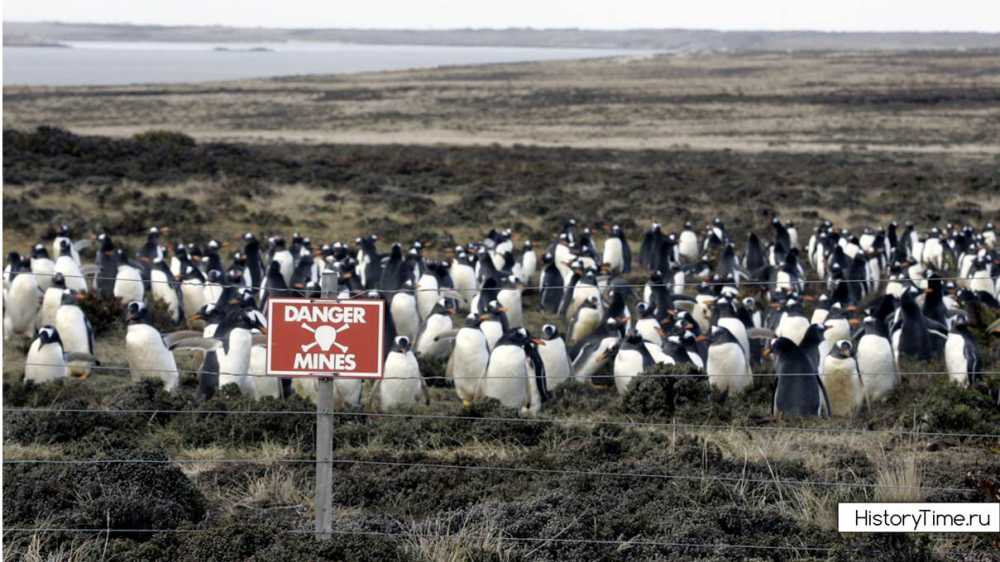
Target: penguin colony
x=721 y=308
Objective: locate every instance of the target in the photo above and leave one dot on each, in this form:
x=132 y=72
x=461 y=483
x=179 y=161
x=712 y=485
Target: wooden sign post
x=322 y=339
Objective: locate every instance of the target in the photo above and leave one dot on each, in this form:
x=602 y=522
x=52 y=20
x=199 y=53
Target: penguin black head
x=70 y=297
x=473 y=320
x=39 y=251
x=58 y=280
x=64 y=248
x=550 y=332
x=401 y=344
x=63 y=230
x=47 y=335
x=136 y=312
x=643 y=310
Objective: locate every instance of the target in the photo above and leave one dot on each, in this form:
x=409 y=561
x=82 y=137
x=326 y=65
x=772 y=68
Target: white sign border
x=299 y=374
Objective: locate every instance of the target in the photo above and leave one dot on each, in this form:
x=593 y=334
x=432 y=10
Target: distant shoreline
x=675 y=40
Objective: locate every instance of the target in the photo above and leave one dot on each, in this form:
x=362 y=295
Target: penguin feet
x=466 y=404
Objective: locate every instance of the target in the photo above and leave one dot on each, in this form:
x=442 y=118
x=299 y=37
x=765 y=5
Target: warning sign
x=325 y=337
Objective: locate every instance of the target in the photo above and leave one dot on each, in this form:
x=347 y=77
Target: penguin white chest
x=44 y=363
x=727 y=368
x=71 y=272
x=149 y=357
x=427 y=295
x=649 y=329
x=50 y=305
x=843 y=385
x=436 y=325
x=613 y=254
x=628 y=365
x=954 y=356
x=556 y=362
x=511 y=300
x=469 y=360
x=72 y=327
x=507 y=376
x=21 y=306
x=877 y=366
x=234 y=363
x=402 y=385
x=404 y=315
x=128 y=284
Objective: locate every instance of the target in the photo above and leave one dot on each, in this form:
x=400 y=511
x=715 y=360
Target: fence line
x=461 y=536
x=494 y=468
x=692 y=284
x=116 y=368
x=569 y=421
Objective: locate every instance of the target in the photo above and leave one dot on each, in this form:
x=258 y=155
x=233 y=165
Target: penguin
x=464 y=277
x=876 y=361
x=42 y=266
x=551 y=286
x=647 y=325
x=264 y=386
x=438 y=322
x=46 y=361
x=75 y=332
x=651 y=248
x=529 y=263
x=402 y=386
x=631 y=360
x=727 y=365
x=587 y=320
x=63 y=239
x=234 y=354
x=799 y=391
x=51 y=301
x=274 y=285
x=591 y=354
x=820 y=310
x=147 y=352
x=961 y=354
x=555 y=357
x=286 y=262
x=128 y=280
x=167 y=288
x=914 y=335
x=403 y=308
x=494 y=323
x=253 y=274
x=688 y=243
x=510 y=298
x=21 y=301
x=793 y=323
x=515 y=375
x=70 y=267
x=726 y=318
x=469 y=358
x=427 y=295
x=151 y=250
x=842 y=380
x=615 y=249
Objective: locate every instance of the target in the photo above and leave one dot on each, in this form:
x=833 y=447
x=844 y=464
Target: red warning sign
x=324 y=337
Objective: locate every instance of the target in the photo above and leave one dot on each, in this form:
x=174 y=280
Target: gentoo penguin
x=727 y=365
x=52 y=300
x=617 y=255
x=213 y=287
x=840 y=376
x=74 y=329
x=528 y=263
x=551 y=286
x=128 y=280
x=21 y=301
x=468 y=360
x=494 y=323
x=647 y=325
x=234 y=354
x=151 y=250
x=167 y=288
x=726 y=318
x=45 y=361
x=554 y=357
x=146 y=350
x=285 y=260
x=438 y=322
x=914 y=335
x=799 y=391
x=821 y=310
x=631 y=360
x=403 y=309
x=464 y=277
x=63 y=239
x=402 y=385
x=587 y=320
x=961 y=354
x=594 y=352
x=70 y=267
x=688 y=244
x=876 y=361
x=253 y=274
x=510 y=298
x=793 y=323
x=515 y=375
x=42 y=266
x=427 y=295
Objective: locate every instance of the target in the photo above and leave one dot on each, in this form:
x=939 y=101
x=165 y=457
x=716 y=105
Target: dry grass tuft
x=899 y=480
x=434 y=541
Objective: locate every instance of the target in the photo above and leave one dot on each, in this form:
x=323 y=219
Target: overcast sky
x=830 y=15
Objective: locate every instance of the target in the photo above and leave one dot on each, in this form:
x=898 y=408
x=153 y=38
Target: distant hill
x=28 y=33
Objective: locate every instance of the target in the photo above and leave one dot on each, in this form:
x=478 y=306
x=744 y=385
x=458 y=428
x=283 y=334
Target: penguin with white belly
x=793 y=322
x=516 y=375
x=62 y=240
x=727 y=365
x=528 y=263
x=74 y=329
x=647 y=325
x=617 y=255
x=510 y=298
x=469 y=358
x=46 y=361
x=725 y=317
x=167 y=288
x=70 y=268
x=587 y=320
x=551 y=285
x=284 y=259
x=438 y=322
x=464 y=277
x=42 y=266
x=402 y=386
x=52 y=300
x=688 y=243
x=128 y=279
x=591 y=354
x=842 y=381
x=799 y=391
x=21 y=301
x=147 y=352
x=631 y=360
x=914 y=335
x=961 y=354
x=555 y=357
x=494 y=323
x=876 y=361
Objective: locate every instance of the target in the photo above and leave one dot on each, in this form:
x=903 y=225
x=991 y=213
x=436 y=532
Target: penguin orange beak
x=766 y=352
x=701 y=338
x=484 y=317
x=538 y=341
x=854 y=322
x=196 y=316
x=928 y=291
x=661 y=332
x=502 y=309
x=808 y=298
